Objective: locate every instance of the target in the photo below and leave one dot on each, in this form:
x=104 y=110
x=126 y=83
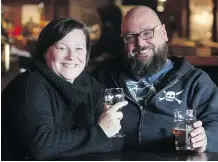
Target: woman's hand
x=109 y=120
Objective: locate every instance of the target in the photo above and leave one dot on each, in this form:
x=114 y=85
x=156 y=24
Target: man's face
x=141 y=67
x=145 y=57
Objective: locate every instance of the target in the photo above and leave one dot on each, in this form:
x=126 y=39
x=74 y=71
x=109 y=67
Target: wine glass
x=113 y=96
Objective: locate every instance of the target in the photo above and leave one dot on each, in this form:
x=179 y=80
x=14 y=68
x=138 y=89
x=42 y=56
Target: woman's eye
x=62 y=49
x=79 y=49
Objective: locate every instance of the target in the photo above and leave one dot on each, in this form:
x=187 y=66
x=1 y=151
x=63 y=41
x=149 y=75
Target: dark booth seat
x=209 y=64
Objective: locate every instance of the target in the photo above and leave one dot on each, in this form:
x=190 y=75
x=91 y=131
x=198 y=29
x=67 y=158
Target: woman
x=53 y=109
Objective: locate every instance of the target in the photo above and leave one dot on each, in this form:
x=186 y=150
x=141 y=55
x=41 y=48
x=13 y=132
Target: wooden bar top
x=203 y=60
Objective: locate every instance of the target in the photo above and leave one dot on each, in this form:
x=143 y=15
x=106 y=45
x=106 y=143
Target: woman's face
x=67 y=57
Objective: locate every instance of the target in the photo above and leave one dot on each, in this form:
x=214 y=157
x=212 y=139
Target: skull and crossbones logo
x=171 y=96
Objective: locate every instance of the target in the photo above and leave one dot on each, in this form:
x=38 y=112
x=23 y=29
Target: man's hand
x=198 y=137
x=109 y=120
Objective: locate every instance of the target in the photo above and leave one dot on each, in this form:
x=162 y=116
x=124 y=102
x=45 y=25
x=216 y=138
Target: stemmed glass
x=113 y=96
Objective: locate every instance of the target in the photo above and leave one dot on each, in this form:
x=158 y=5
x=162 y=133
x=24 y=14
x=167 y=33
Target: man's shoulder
x=203 y=77
x=185 y=67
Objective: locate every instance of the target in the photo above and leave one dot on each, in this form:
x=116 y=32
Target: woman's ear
x=164 y=32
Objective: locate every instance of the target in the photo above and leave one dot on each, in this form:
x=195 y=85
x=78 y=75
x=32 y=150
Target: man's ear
x=164 y=32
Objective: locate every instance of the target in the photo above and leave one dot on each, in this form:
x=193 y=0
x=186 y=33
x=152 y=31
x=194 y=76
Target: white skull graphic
x=171 y=96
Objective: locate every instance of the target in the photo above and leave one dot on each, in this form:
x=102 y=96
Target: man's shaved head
x=140 y=14
x=145 y=42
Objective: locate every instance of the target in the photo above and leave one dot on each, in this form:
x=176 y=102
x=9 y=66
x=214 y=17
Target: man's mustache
x=139 y=49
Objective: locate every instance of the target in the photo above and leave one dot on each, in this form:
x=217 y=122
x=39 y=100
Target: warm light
x=7 y=57
x=162 y=0
x=208 y=34
x=41 y=5
x=95 y=27
x=205 y=14
x=160 y=8
x=30 y=11
x=92 y=36
x=201 y=19
x=118 y=2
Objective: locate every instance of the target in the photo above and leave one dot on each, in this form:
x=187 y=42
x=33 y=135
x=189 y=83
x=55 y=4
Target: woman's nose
x=70 y=55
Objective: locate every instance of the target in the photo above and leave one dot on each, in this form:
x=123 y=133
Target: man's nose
x=140 y=41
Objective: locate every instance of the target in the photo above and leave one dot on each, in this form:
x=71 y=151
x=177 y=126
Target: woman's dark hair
x=55 y=31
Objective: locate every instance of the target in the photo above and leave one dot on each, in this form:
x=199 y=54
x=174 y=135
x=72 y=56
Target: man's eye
x=129 y=37
x=146 y=33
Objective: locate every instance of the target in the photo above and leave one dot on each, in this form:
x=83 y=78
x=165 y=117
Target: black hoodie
x=151 y=127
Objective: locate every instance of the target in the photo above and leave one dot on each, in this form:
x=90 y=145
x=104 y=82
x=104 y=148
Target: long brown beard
x=140 y=69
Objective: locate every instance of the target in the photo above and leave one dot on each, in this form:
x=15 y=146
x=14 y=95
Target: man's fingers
x=197 y=131
x=117 y=106
x=199 y=137
x=197 y=124
x=199 y=144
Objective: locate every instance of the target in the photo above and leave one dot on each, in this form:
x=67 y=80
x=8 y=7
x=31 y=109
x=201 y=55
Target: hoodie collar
x=180 y=67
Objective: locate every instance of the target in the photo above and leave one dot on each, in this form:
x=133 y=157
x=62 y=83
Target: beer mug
x=183 y=120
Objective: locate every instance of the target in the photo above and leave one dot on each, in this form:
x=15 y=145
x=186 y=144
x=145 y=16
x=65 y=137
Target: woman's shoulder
x=34 y=77
x=30 y=78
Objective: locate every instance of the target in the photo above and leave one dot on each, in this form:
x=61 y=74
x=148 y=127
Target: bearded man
x=156 y=85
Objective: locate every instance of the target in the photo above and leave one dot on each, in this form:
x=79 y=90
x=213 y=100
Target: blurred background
x=192 y=27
